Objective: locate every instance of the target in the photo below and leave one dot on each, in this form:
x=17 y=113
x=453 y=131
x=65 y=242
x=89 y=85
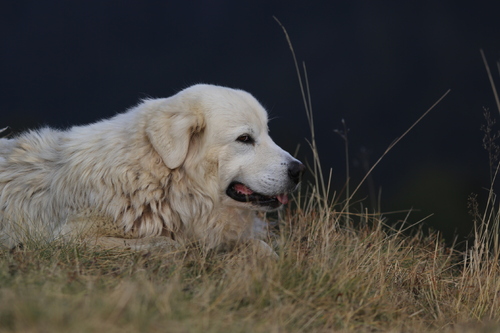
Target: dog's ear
x=170 y=131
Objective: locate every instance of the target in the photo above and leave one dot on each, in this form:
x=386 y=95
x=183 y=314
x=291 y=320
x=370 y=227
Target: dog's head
x=224 y=132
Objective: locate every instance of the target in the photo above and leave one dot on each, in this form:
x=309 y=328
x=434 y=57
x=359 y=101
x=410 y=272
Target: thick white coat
x=161 y=168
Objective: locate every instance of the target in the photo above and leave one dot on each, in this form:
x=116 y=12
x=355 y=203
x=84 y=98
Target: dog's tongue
x=283 y=198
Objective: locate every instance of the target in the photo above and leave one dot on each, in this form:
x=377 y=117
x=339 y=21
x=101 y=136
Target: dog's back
x=26 y=164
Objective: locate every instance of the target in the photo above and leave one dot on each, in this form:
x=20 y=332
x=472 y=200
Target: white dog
x=192 y=167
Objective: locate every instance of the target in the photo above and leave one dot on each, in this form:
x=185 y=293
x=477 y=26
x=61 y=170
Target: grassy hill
x=335 y=272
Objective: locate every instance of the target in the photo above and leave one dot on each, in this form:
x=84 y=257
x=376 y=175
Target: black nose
x=295 y=170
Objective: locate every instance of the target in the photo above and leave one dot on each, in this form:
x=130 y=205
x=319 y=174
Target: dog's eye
x=245 y=138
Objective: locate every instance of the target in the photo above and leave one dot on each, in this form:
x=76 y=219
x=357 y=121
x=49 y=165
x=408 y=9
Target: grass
x=329 y=277
x=340 y=268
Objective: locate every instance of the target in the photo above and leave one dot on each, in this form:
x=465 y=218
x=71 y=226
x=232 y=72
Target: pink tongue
x=243 y=189
x=283 y=198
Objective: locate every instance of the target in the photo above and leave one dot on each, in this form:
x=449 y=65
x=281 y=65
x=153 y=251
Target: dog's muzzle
x=242 y=193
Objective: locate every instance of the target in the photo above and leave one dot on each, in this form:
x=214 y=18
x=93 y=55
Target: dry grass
x=329 y=277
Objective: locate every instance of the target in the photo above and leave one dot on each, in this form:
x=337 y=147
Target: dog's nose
x=295 y=170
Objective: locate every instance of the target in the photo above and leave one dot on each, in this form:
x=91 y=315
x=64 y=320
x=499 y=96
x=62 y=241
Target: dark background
x=377 y=65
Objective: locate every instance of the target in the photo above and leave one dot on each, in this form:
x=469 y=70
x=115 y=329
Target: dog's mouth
x=242 y=193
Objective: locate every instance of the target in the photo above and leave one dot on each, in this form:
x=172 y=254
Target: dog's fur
x=172 y=166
